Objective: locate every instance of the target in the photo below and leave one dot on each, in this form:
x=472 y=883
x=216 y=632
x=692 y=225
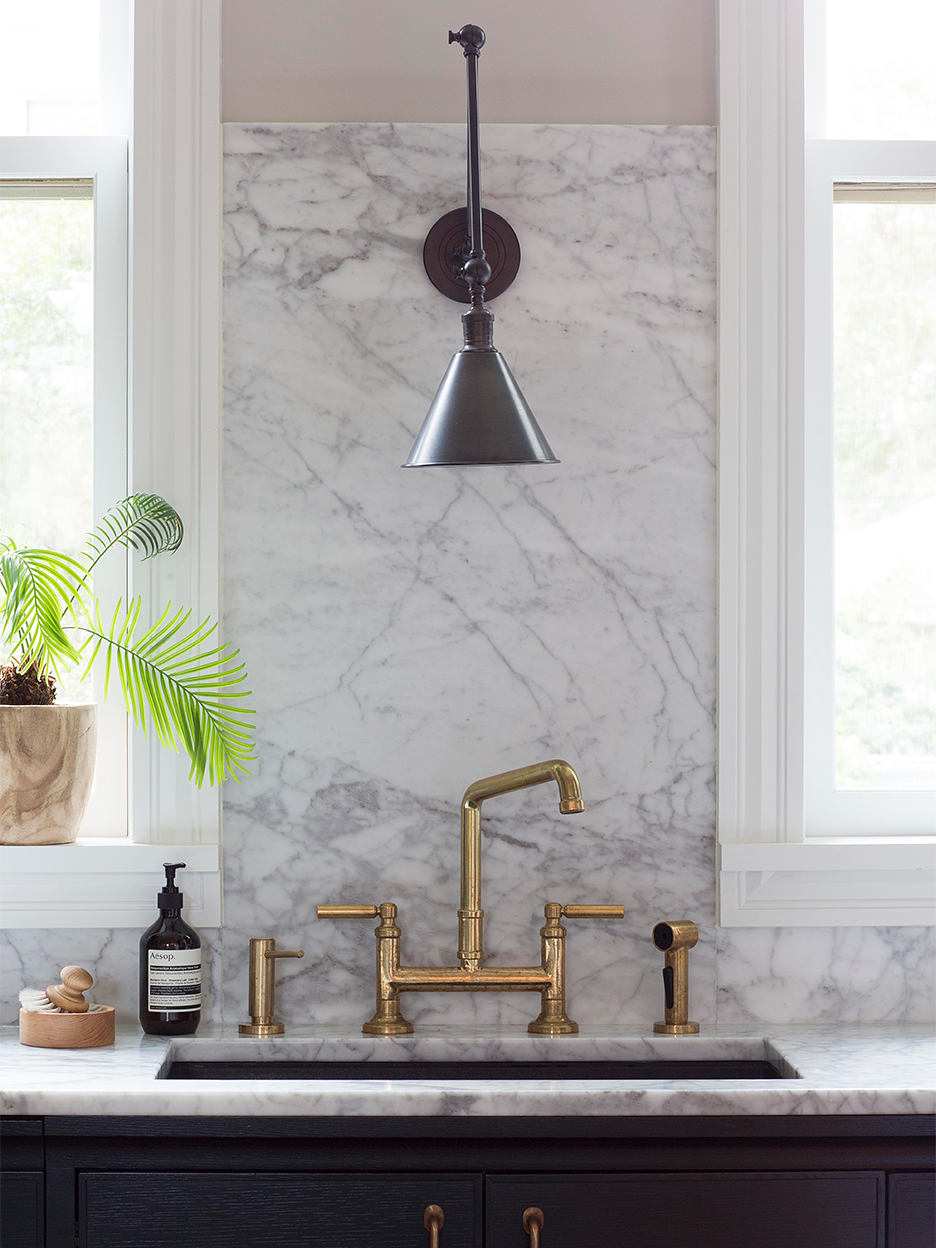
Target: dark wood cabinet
x=732 y=1182
x=21 y=1210
x=911 y=1210
x=117 y=1210
x=707 y=1210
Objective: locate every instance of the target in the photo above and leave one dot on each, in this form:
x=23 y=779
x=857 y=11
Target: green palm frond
x=144 y=521
x=38 y=587
x=190 y=698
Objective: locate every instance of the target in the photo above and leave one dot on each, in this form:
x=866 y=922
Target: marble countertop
x=831 y=1069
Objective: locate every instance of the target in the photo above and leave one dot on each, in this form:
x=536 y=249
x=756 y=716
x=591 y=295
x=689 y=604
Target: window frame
x=771 y=873
x=103 y=159
x=828 y=810
x=174 y=449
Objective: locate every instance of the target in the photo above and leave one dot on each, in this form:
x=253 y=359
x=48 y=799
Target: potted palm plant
x=173 y=680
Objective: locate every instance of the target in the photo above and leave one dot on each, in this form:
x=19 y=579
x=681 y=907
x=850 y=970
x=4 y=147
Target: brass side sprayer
x=675 y=937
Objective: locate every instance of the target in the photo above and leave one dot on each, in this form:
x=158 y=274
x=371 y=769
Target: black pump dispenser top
x=170 y=897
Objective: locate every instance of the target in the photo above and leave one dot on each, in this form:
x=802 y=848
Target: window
x=116 y=382
x=870 y=419
x=63 y=260
x=63 y=378
x=49 y=67
x=870 y=705
x=827 y=476
x=884 y=325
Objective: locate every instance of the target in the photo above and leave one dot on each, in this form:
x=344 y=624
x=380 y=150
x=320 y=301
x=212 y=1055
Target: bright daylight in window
x=49 y=67
x=63 y=300
x=48 y=86
x=881 y=86
x=885 y=487
x=46 y=364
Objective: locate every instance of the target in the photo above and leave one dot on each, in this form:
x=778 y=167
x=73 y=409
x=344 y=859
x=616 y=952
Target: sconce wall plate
x=448 y=243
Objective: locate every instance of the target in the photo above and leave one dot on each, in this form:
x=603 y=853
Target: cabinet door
x=703 y=1210
x=21 y=1209
x=275 y=1210
x=911 y=1210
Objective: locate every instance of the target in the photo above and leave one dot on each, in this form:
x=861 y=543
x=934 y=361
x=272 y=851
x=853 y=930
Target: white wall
x=628 y=61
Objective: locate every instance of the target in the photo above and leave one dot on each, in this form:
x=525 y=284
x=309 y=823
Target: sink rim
x=421 y=1070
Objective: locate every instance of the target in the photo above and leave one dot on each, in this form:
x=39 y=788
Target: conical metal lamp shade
x=479 y=416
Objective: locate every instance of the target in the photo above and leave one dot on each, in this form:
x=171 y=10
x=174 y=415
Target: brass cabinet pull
x=433 y=1218
x=533 y=1223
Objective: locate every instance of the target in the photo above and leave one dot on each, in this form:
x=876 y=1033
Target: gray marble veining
x=826 y=974
x=886 y=1069
x=410 y=631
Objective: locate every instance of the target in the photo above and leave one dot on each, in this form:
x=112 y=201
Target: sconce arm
x=476 y=270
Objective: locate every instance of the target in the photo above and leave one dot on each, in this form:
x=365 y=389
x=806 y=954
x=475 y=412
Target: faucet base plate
x=554 y=1025
x=387 y=1027
x=676 y=1029
x=261 y=1029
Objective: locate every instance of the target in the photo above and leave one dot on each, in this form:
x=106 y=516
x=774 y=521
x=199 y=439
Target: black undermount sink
x=434 y=1071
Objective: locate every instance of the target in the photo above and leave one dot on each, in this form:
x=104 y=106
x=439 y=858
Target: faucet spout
x=470 y=914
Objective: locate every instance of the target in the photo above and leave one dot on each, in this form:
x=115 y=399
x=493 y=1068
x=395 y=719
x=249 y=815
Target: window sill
x=829 y=882
x=116 y=885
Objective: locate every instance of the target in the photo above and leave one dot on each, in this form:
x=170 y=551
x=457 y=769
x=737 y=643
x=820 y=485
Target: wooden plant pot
x=47 y=756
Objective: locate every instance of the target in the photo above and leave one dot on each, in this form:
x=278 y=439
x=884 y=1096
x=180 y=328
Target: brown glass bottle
x=170 y=967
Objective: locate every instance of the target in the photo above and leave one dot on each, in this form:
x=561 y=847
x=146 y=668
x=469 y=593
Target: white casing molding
x=175 y=356
x=771 y=873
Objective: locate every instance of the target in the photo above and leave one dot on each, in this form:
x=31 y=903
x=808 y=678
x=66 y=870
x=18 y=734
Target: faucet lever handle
x=347 y=912
x=593 y=912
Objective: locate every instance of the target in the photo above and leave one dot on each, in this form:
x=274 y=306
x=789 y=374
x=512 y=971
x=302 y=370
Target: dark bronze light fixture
x=478 y=415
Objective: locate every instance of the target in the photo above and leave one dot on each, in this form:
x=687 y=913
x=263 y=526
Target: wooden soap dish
x=68 y=1031
x=81 y=1026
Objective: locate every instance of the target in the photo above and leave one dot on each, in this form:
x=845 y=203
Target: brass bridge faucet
x=548 y=979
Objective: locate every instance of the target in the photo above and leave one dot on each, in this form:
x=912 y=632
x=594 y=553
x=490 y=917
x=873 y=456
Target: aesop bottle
x=170 y=967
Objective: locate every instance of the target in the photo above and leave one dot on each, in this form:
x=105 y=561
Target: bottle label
x=174 y=980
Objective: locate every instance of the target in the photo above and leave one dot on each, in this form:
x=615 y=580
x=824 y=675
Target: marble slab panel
x=408 y=631
x=826 y=974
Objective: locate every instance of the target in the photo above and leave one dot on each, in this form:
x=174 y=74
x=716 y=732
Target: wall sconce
x=478 y=415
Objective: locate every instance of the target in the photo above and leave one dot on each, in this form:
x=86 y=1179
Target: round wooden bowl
x=67 y=1031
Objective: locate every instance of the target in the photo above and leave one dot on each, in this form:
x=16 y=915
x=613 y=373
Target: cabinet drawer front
x=794 y=1210
x=911 y=1210
x=275 y=1210
x=21 y=1209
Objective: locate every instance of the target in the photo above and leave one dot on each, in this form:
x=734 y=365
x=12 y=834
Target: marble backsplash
x=408 y=631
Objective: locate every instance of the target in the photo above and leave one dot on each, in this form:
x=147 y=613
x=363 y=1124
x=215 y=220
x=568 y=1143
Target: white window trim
x=770 y=873
x=175 y=450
